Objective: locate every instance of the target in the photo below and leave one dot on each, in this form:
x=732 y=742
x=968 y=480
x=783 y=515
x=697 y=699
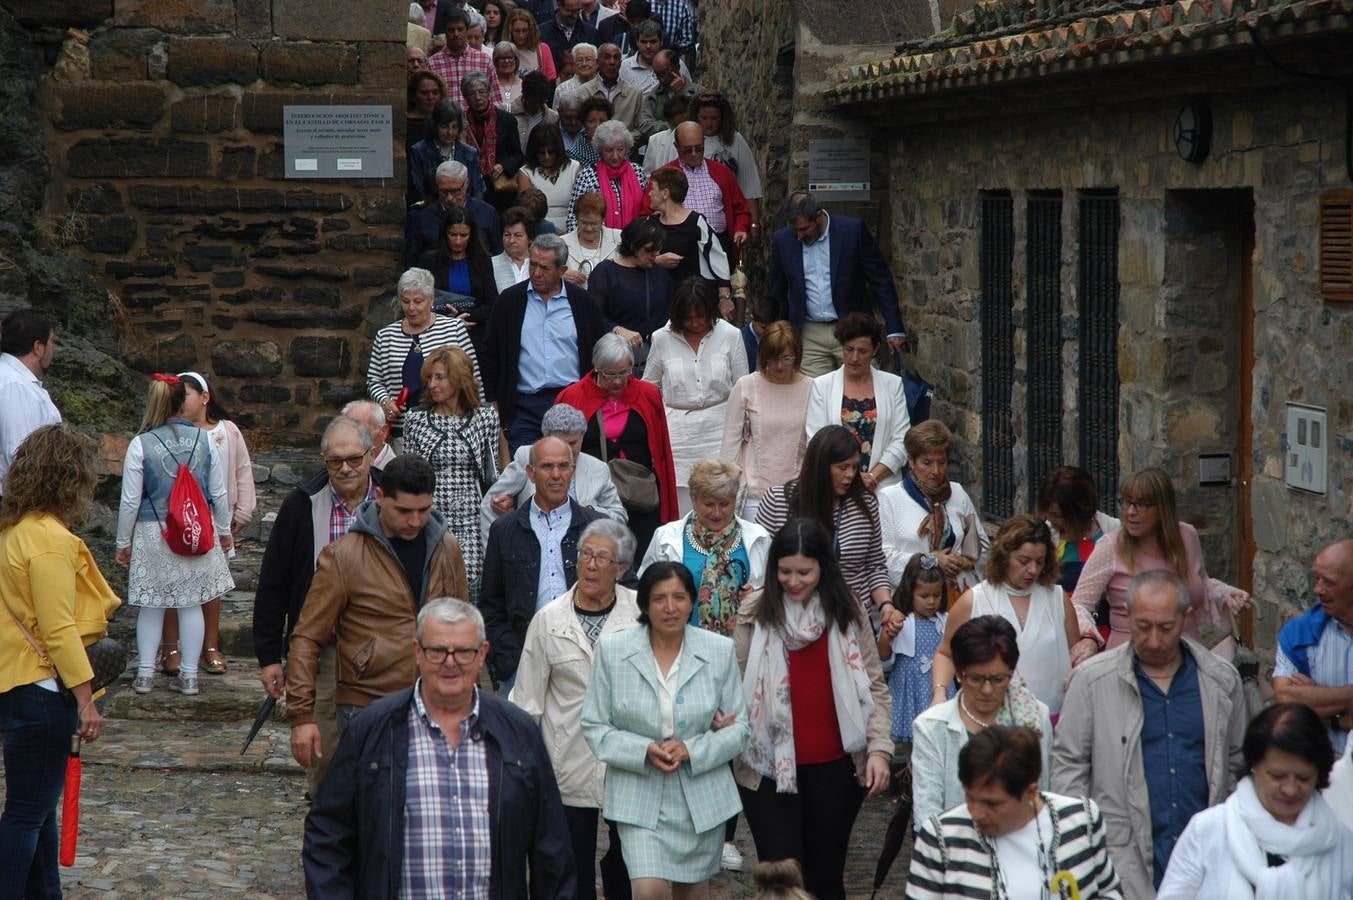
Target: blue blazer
x=621 y=718
x=861 y=280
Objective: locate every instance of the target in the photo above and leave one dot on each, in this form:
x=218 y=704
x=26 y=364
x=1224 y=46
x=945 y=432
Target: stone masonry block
x=137 y=158
x=62 y=14
x=320 y=356
x=204 y=113
x=374 y=20
x=237 y=163
x=191 y=16
x=92 y=104
x=195 y=61
x=98 y=198
x=122 y=54
x=171 y=354
x=253 y=18
x=383 y=65
x=248 y=359
x=305 y=63
x=110 y=234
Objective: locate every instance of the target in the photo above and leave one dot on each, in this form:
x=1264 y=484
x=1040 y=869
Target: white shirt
x=506 y=273
x=692 y=379
x=667 y=696
x=25 y=406
x=1018 y=856
x=639 y=73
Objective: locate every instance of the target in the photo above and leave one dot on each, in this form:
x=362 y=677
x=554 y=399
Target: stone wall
x=163 y=128
x=1275 y=147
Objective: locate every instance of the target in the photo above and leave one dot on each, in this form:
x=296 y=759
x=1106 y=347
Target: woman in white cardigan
x=869 y=402
x=1275 y=836
x=927 y=513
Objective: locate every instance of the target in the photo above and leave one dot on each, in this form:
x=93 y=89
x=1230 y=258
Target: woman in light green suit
x=665 y=713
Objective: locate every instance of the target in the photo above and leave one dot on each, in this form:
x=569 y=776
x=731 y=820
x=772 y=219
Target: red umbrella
x=70 y=804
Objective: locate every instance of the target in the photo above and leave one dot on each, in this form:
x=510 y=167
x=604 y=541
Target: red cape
x=585 y=396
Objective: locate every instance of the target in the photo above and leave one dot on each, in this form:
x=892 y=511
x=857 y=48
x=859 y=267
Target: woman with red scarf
x=620 y=182
x=631 y=412
x=493 y=132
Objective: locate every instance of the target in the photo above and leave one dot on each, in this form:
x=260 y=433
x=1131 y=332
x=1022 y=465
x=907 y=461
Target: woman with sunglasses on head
x=1152 y=537
x=1020 y=587
x=633 y=294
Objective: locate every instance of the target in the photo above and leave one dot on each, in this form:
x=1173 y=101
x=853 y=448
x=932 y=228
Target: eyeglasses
x=437 y=655
x=476 y=92
x=977 y=681
x=336 y=463
x=694 y=148
x=613 y=376
x=782 y=361
x=1138 y=504
x=597 y=556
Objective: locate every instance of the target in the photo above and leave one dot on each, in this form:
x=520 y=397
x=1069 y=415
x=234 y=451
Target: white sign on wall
x=338 y=141
x=838 y=169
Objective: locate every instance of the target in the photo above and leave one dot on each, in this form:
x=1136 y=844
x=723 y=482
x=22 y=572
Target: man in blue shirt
x=1151 y=731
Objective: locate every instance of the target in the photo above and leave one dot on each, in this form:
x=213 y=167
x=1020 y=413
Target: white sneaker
x=143 y=684
x=730 y=859
x=185 y=684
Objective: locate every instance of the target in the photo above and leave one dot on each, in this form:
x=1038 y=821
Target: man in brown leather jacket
x=367 y=589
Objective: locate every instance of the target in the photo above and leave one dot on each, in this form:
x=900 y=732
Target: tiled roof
x=1004 y=41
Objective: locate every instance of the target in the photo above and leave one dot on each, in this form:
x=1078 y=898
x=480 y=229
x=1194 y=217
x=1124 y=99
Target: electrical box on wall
x=1306 y=454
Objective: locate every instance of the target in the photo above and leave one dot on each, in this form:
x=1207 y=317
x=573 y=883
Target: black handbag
x=107 y=658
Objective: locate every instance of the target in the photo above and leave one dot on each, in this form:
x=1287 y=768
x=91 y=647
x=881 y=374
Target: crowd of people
x=596 y=553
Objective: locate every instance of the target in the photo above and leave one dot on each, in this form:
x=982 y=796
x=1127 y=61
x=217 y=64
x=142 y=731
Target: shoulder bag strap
x=28 y=636
x=601 y=434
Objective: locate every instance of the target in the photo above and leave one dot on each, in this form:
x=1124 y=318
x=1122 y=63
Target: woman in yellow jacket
x=54 y=594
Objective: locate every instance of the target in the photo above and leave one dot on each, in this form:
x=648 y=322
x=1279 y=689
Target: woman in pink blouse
x=1152 y=537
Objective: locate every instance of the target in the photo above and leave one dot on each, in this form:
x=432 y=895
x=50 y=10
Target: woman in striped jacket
x=1011 y=841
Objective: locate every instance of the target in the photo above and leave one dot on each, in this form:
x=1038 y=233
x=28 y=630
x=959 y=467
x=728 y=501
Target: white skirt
x=160 y=578
x=695 y=435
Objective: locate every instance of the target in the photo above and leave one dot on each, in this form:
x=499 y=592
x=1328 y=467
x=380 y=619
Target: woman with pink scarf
x=620 y=182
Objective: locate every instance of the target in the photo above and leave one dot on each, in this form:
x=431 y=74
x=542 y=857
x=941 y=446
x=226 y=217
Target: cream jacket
x=890 y=425
x=1097 y=750
x=552 y=679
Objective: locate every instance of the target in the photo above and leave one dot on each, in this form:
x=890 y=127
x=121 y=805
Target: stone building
x=1121 y=233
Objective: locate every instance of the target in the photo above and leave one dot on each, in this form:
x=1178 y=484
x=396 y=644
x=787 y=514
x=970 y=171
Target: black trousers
x=812 y=826
x=582 y=833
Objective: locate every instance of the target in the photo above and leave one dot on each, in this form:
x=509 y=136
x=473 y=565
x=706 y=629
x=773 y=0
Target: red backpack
x=187 y=523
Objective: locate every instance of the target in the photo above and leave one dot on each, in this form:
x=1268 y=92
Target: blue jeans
x=38 y=725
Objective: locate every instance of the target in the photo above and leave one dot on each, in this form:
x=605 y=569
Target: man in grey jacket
x=1151 y=731
x=591 y=486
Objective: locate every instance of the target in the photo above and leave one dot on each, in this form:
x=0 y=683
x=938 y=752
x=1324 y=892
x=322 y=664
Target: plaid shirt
x=703 y=196
x=453 y=68
x=678 y=23
x=448 y=838
x=340 y=517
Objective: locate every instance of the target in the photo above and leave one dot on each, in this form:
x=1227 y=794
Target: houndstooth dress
x=463 y=450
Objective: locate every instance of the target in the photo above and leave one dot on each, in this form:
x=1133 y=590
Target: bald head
x=551 y=471
x=373 y=417
x=690 y=144
x=1333 y=570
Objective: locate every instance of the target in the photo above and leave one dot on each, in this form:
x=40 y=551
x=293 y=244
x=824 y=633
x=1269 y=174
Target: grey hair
x=611 y=350
x=569 y=100
x=562 y=419
x=338 y=423
x=449 y=611
x=453 y=169
x=612 y=133
x=416 y=15
x=476 y=20
x=584 y=45
x=474 y=77
x=357 y=407
x=555 y=244
x=1159 y=578
x=716 y=478
x=803 y=205
x=419 y=280
x=617 y=534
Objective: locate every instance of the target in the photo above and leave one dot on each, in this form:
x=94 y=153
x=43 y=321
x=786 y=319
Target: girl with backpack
x=173 y=526
x=205 y=411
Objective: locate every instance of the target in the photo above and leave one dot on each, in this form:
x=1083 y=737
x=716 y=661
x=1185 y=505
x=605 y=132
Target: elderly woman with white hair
x=592 y=486
x=620 y=182
x=393 y=377
x=626 y=423
x=552 y=680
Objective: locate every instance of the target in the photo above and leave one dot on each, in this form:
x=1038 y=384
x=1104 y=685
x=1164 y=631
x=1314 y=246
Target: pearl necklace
x=962 y=704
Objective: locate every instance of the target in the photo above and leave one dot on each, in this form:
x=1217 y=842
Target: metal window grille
x=1098 y=287
x=1043 y=257
x=998 y=353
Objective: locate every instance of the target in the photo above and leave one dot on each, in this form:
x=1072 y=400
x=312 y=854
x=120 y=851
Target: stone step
x=232 y=697
x=191 y=747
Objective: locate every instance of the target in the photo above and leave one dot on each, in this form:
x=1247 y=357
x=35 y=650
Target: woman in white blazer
x=869 y=402
x=1275 y=836
x=925 y=512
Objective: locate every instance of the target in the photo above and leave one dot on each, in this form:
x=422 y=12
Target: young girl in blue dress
x=922 y=596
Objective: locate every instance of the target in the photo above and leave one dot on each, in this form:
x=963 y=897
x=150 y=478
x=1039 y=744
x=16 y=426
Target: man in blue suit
x=424 y=220
x=822 y=268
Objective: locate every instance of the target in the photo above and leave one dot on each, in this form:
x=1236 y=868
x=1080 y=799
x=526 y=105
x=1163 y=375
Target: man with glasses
x=367 y=587
x=532 y=556
x=1151 y=731
x=711 y=190
x=424 y=221
x=316 y=513
x=442 y=790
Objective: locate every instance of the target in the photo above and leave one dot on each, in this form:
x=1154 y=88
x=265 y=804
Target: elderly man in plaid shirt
x=441 y=790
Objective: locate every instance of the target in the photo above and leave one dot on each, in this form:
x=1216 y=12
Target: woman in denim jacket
x=159 y=579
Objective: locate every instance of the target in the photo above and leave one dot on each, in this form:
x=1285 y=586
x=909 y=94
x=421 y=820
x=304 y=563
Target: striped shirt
x=448 y=835
x=951 y=857
x=385 y=373
x=858 y=539
x=1331 y=662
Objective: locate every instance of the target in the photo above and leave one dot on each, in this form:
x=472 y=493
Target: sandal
x=169 y=660
x=213 y=661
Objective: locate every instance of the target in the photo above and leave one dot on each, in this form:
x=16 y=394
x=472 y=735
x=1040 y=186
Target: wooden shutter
x=1336 y=245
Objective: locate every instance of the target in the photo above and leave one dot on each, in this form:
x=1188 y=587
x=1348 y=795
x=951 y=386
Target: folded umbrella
x=264 y=712
x=70 y=804
x=896 y=834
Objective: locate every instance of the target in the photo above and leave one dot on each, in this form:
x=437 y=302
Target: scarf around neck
x=1252 y=833
x=625 y=196
x=723 y=577
x=935 y=526
x=483 y=135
